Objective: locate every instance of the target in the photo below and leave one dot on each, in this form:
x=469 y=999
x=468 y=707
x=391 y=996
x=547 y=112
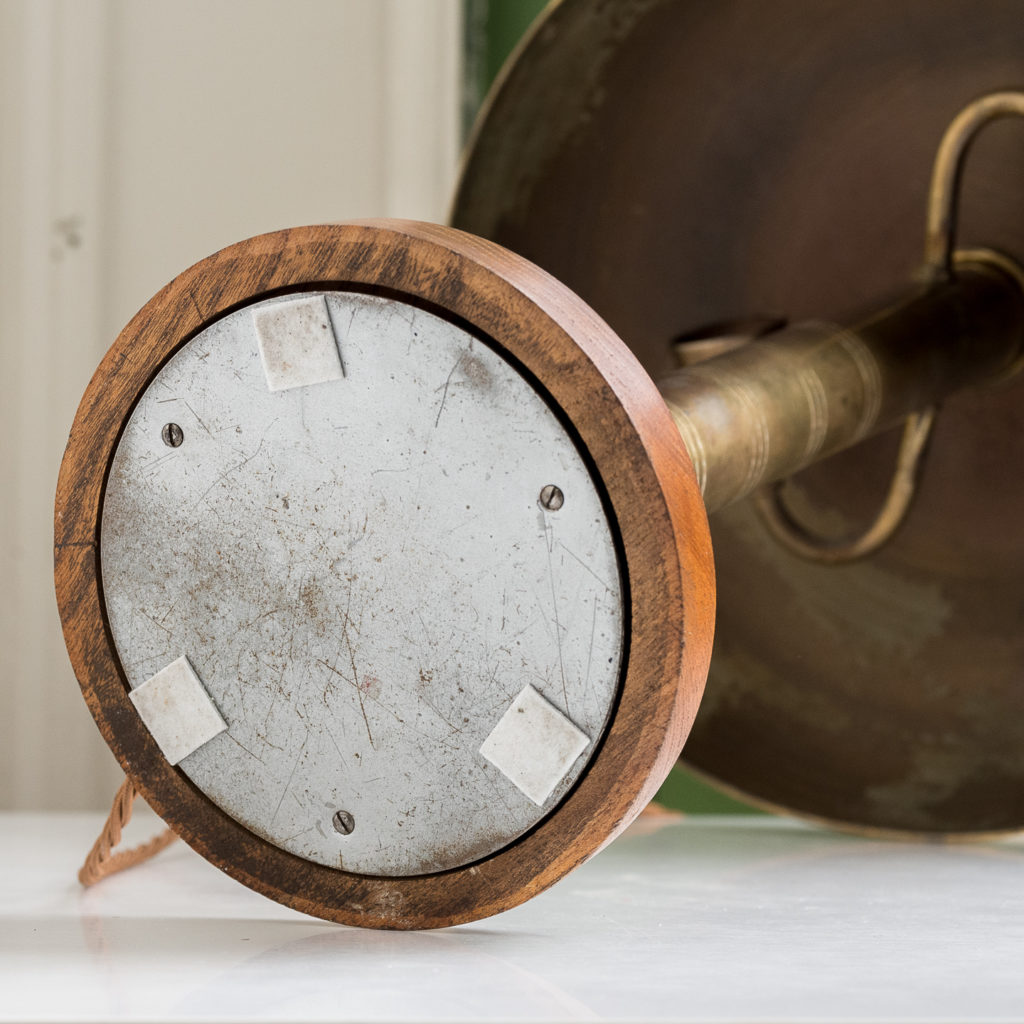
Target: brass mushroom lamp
x=385 y=568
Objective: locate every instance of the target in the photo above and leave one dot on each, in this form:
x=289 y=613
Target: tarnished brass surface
x=767 y=409
x=686 y=163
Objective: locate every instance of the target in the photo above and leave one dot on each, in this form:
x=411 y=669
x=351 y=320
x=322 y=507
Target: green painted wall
x=492 y=29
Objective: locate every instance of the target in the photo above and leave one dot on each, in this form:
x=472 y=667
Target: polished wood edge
x=628 y=433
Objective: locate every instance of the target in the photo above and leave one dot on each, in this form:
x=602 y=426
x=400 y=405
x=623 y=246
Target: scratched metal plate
x=361 y=575
x=684 y=164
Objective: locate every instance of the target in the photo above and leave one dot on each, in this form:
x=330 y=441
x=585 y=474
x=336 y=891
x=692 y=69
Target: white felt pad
x=534 y=745
x=297 y=343
x=177 y=710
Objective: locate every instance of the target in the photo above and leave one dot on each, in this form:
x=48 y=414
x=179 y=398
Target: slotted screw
x=343 y=822
x=551 y=498
x=172 y=434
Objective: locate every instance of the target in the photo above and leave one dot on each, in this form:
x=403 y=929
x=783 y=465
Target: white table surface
x=707 y=919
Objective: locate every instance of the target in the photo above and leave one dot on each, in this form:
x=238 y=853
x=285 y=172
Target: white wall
x=136 y=137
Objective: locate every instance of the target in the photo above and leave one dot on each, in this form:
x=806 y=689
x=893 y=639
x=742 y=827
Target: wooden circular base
x=592 y=381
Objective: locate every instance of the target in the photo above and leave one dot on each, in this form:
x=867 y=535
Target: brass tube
x=765 y=410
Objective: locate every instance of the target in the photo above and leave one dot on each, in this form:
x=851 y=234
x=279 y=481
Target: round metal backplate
x=362 y=574
x=351 y=556
x=683 y=164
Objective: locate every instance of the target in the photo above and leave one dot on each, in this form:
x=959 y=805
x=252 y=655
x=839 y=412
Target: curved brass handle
x=798 y=539
x=944 y=194
x=940 y=259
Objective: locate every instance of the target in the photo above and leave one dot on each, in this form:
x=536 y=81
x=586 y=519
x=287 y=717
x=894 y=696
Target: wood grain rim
x=621 y=420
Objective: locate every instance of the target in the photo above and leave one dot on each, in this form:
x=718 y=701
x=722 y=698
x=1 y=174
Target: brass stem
x=763 y=411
